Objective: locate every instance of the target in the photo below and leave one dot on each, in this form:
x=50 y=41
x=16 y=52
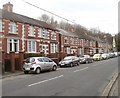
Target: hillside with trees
x=77 y=28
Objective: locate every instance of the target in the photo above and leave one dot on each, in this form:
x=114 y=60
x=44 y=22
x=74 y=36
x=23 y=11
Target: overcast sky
x=100 y=14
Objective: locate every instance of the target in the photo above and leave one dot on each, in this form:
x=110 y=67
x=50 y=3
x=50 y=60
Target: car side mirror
x=50 y=61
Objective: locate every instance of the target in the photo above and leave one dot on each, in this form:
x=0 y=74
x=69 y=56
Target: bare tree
x=53 y=22
x=45 y=18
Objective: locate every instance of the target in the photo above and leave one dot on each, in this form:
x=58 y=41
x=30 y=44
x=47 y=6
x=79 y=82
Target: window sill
x=32 y=52
x=46 y=38
x=14 y=52
x=31 y=35
x=40 y=37
x=53 y=39
x=13 y=33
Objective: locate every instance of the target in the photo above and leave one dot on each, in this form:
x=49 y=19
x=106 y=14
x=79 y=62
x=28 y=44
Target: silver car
x=38 y=64
x=69 y=61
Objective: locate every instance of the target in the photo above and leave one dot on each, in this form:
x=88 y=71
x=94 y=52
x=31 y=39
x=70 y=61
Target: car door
x=41 y=63
x=46 y=63
x=88 y=58
x=74 y=60
x=50 y=65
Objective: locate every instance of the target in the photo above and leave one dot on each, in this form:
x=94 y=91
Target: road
x=84 y=80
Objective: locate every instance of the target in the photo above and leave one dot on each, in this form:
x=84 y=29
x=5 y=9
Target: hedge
x=27 y=55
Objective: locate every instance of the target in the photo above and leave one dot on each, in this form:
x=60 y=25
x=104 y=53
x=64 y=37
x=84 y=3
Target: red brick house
x=21 y=34
x=26 y=35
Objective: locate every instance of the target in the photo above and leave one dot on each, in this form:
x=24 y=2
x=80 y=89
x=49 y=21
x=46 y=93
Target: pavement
x=10 y=74
x=115 y=89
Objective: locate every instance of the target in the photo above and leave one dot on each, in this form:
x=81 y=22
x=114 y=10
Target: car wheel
x=78 y=63
x=91 y=61
x=71 y=64
x=86 y=62
x=54 y=68
x=61 y=66
x=25 y=72
x=38 y=70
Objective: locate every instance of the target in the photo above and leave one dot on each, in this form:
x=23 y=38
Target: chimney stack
x=8 y=7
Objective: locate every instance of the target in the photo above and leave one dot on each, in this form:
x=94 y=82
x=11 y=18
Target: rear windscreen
x=30 y=60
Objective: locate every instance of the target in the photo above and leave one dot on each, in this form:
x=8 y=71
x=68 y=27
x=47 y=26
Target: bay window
x=54 y=48
x=67 y=50
x=31 y=46
x=13 y=45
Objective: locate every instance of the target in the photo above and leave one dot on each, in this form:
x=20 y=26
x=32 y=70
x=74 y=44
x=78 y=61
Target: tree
x=117 y=39
x=53 y=22
x=45 y=18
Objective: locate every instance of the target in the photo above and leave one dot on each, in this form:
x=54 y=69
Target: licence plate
x=62 y=64
x=27 y=68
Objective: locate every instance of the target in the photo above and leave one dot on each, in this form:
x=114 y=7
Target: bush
x=27 y=55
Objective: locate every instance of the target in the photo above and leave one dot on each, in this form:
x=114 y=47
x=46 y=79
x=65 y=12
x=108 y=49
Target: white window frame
x=31 y=46
x=91 y=43
x=31 y=31
x=13 y=28
x=66 y=39
x=0 y=25
x=46 y=34
x=13 y=45
x=54 y=48
x=40 y=33
x=67 y=50
x=46 y=50
x=53 y=35
x=72 y=40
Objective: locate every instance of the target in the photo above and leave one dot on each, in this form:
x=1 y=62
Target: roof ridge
x=25 y=19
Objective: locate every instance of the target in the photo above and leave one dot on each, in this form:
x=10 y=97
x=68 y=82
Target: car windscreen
x=82 y=56
x=30 y=60
x=68 y=58
x=96 y=55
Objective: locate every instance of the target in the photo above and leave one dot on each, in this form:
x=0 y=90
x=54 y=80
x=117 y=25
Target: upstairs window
x=46 y=34
x=91 y=43
x=72 y=40
x=66 y=40
x=31 y=31
x=53 y=35
x=12 y=27
x=40 y=32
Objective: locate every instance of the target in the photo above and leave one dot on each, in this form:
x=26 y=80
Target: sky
x=99 y=14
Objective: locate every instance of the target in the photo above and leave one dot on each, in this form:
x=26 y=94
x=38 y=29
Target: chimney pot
x=8 y=7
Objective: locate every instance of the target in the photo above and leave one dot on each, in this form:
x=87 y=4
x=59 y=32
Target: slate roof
x=66 y=33
x=24 y=19
x=27 y=20
x=73 y=34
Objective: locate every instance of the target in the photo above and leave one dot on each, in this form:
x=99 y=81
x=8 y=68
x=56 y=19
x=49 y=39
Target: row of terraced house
x=23 y=35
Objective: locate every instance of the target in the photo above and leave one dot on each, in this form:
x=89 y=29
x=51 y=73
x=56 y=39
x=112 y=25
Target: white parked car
x=105 y=56
x=116 y=54
x=38 y=64
x=97 y=57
